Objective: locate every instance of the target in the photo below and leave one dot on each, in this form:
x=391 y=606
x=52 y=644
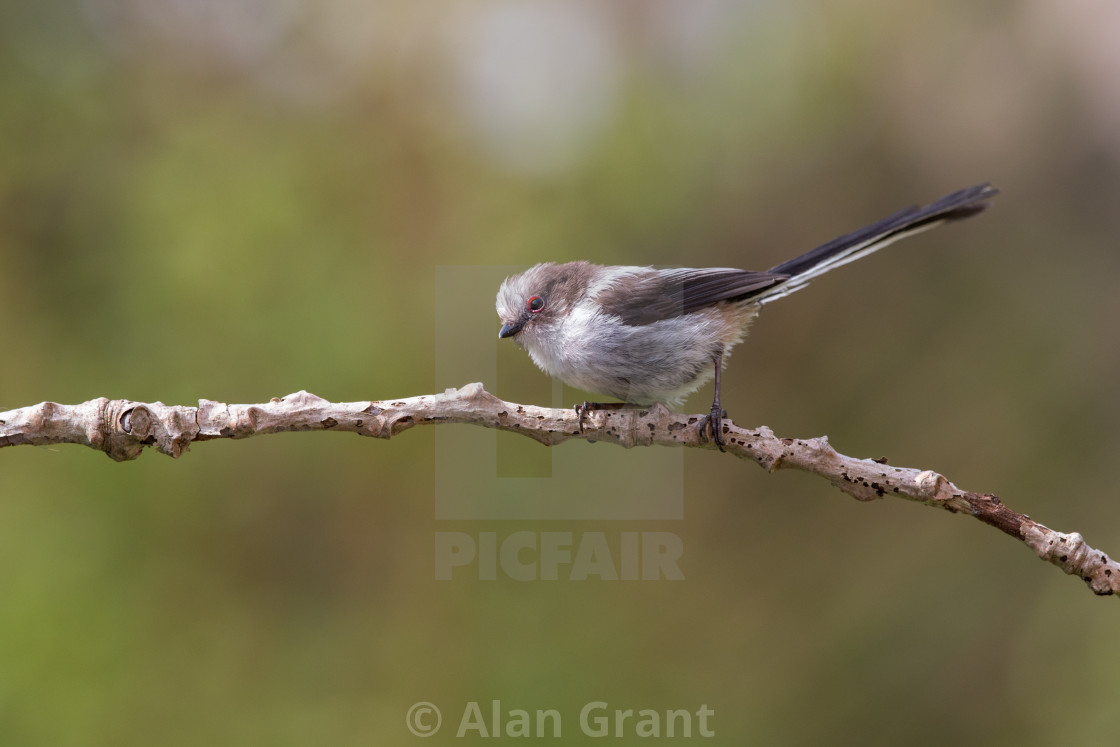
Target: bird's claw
x=713 y=423
x=581 y=413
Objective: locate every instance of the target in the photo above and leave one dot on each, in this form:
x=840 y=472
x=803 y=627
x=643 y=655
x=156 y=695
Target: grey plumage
x=643 y=334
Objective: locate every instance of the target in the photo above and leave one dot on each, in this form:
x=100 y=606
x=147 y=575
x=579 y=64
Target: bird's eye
x=536 y=303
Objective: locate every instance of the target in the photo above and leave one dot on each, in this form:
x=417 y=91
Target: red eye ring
x=535 y=304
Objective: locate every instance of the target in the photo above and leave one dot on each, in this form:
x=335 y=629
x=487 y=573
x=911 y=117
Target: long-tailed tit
x=645 y=335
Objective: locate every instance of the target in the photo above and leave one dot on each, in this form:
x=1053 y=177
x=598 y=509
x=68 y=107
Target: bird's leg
x=586 y=407
x=714 y=419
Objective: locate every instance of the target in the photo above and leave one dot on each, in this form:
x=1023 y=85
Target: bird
x=647 y=334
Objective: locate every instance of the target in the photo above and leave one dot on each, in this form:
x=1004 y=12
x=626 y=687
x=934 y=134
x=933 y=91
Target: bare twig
x=122 y=428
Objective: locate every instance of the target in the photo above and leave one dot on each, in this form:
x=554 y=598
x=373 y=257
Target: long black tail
x=857 y=244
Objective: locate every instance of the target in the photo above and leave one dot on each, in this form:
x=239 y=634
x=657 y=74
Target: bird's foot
x=711 y=426
x=581 y=413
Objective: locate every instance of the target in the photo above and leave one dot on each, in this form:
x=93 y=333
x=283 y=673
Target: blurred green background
x=238 y=199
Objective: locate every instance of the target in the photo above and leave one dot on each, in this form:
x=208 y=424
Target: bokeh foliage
x=239 y=200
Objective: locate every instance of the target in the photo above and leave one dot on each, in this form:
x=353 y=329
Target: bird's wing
x=649 y=295
x=645 y=295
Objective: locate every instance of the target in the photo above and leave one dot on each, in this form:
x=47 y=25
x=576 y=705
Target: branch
x=122 y=428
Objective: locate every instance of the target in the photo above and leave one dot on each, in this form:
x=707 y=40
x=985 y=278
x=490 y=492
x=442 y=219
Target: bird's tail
x=857 y=244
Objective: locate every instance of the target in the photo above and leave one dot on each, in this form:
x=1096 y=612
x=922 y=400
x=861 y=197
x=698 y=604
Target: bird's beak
x=511 y=329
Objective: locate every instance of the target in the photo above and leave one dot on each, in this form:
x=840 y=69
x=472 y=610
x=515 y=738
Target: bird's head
x=533 y=303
